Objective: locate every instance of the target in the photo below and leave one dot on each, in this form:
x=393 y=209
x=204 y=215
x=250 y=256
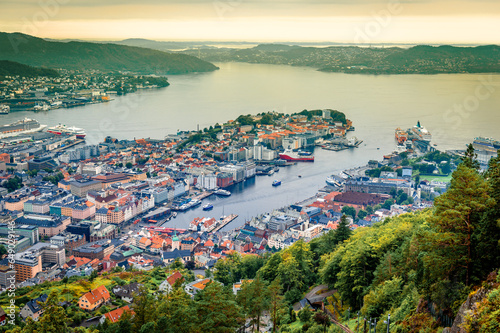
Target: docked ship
x=335 y=181
x=401 y=136
x=289 y=155
x=486 y=144
x=421 y=133
x=24 y=126
x=222 y=192
x=276 y=183
x=69 y=131
x=4 y=109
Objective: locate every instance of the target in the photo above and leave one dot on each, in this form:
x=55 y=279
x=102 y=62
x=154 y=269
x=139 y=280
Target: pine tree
x=470 y=158
x=457 y=215
x=343 y=231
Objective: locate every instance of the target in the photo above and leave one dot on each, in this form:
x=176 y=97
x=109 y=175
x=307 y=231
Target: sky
x=344 y=21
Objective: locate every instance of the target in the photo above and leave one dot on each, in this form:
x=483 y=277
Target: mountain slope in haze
x=106 y=57
x=13 y=68
x=352 y=59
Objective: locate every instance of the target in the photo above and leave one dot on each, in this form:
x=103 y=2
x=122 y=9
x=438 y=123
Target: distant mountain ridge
x=12 y=68
x=74 y=55
x=421 y=59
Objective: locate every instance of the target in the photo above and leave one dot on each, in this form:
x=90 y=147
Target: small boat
x=277 y=183
x=208 y=206
x=300 y=176
x=222 y=192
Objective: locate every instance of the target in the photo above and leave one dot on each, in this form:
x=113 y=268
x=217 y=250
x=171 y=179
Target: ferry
x=222 y=192
x=63 y=130
x=277 y=183
x=24 y=126
x=208 y=206
x=334 y=180
x=289 y=155
x=4 y=109
x=401 y=136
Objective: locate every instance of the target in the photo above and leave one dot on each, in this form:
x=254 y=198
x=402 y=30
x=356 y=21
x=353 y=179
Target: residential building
x=94 y=298
x=33 y=308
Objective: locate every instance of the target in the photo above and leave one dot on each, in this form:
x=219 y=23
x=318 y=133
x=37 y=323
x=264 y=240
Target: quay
x=203 y=195
x=225 y=222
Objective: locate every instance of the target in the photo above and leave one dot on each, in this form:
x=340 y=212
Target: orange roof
x=202 y=284
x=209 y=243
x=174 y=277
x=97 y=294
x=115 y=315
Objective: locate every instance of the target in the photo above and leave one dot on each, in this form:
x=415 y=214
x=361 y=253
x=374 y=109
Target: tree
x=457 y=214
x=470 y=158
x=362 y=214
x=128 y=165
x=3 y=250
x=144 y=308
x=388 y=203
x=217 y=310
x=228 y=270
x=343 y=231
x=276 y=302
x=177 y=313
x=93 y=275
x=305 y=314
x=253 y=298
x=321 y=318
x=348 y=210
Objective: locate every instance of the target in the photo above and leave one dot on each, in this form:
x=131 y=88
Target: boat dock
x=225 y=222
x=69 y=145
x=203 y=195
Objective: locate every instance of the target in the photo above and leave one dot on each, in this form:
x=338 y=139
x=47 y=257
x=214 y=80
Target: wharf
x=335 y=147
x=203 y=195
x=74 y=143
x=225 y=222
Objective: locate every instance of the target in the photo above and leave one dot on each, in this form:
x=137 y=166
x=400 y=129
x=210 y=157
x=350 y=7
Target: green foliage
x=13 y=184
x=348 y=210
x=54 y=179
x=382 y=297
x=305 y=314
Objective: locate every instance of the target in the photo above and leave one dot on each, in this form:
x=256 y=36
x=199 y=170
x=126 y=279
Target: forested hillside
x=12 y=68
x=35 y=51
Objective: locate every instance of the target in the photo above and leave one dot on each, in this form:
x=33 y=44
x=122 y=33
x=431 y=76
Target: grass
x=445 y=179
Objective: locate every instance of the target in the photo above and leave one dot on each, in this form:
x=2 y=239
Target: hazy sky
x=351 y=21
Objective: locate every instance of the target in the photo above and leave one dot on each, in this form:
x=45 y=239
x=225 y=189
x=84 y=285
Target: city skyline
x=361 y=21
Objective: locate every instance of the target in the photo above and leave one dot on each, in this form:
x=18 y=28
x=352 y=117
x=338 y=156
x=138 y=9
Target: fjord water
x=454 y=107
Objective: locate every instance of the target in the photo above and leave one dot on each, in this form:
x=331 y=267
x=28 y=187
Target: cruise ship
x=289 y=155
x=487 y=144
x=63 y=130
x=421 y=133
x=24 y=126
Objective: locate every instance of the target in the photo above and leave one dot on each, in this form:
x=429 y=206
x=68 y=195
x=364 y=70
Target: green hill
x=13 y=68
x=106 y=57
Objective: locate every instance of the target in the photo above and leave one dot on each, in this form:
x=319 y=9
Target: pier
x=225 y=222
